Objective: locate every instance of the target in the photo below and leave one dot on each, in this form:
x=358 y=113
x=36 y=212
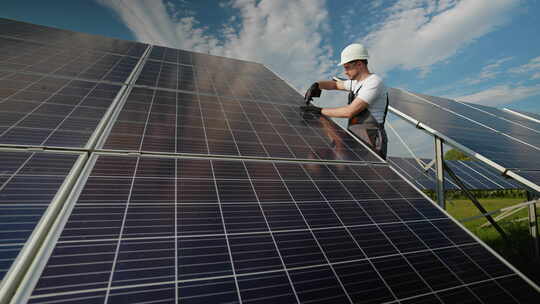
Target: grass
x=463 y=208
x=518 y=251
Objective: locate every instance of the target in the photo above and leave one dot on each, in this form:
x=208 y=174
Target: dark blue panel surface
x=28 y=184
x=47 y=111
x=145 y=222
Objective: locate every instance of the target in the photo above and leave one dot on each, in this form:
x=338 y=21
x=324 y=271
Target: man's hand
x=311 y=109
x=313 y=91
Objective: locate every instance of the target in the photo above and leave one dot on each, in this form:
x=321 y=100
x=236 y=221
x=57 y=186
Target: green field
x=464 y=208
x=519 y=250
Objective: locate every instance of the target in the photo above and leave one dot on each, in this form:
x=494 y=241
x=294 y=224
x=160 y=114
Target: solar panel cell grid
x=163 y=121
x=31 y=57
x=48 y=111
x=68 y=39
x=28 y=184
x=149 y=225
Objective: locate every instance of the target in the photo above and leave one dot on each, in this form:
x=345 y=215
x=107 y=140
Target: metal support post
x=439 y=161
x=473 y=199
x=533 y=226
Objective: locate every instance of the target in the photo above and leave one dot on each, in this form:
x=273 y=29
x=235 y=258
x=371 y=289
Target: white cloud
x=375 y=4
x=532 y=66
x=288 y=35
x=420 y=33
x=501 y=94
x=285 y=35
x=488 y=72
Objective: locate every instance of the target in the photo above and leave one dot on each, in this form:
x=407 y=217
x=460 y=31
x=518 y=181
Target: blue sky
x=481 y=51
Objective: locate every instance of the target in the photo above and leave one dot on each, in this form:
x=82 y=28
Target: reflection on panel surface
x=174 y=122
x=215 y=75
x=30 y=48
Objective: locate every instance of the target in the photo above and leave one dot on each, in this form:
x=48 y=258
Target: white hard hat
x=354 y=51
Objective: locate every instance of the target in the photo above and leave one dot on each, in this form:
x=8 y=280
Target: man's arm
x=358 y=105
x=315 y=91
x=332 y=85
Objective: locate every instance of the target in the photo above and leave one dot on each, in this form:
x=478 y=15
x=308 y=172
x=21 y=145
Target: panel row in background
x=528 y=115
x=29 y=184
x=509 y=141
x=474 y=174
x=40 y=110
x=64 y=53
x=174 y=122
x=214 y=231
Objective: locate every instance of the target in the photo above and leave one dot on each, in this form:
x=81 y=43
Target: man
x=368 y=99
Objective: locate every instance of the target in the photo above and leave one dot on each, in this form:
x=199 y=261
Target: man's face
x=351 y=69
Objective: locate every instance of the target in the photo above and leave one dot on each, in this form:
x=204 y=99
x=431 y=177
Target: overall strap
x=385 y=110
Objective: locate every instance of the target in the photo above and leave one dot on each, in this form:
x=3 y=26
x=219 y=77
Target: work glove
x=311 y=109
x=313 y=91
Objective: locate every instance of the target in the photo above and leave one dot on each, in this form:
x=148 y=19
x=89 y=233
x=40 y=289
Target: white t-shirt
x=373 y=91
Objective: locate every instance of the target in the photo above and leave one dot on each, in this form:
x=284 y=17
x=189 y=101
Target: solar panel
x=29 y=190
x=214 y=230
x=504 y=142
x=473 y=174
x=47 y=111
x=174 y=122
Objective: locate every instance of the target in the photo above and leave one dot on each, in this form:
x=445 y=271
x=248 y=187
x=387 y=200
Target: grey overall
x=367 y=129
